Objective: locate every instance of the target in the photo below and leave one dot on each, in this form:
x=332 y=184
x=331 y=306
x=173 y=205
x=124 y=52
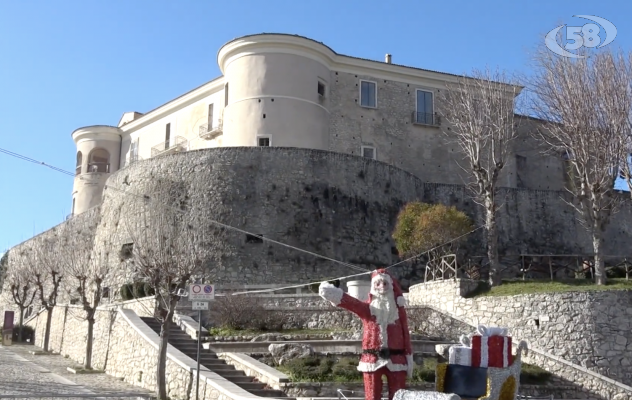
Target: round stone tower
x=98 y=155
x=276 y=91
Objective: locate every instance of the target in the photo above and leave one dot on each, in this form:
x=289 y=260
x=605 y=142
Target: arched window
x=79 y=160
x=99 y=161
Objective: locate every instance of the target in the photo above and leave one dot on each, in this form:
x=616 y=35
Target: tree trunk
x=161 y=379
x=88 y=363
x=49 y=320
x=21 y=323
x=492 y=243
x=600 y=267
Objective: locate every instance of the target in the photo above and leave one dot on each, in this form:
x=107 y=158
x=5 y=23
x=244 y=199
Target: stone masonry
x=591 y=330
x=338 y=205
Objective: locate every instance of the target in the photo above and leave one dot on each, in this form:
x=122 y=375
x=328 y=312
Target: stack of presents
x=481 y=367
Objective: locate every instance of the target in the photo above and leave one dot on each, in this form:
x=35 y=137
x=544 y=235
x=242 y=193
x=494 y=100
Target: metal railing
x=431 y=119
x=527 y=266
x=99 y=167
x=212 y=131
x=178 y=143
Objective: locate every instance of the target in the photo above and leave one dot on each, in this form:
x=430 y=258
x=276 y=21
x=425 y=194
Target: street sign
x=201 y=292
x=199 y=305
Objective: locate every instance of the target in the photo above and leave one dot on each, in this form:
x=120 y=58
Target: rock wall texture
x=588 y=329
x=339 y=205
x=127 y=348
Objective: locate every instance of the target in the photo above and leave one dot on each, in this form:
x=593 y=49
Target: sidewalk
x=24 y=374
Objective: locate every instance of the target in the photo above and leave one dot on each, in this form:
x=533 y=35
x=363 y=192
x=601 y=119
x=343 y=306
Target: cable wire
x=21 y=157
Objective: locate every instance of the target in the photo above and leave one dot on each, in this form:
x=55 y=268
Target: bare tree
x=587 y=103
x=19 y=281
x=86 y=271
x=480 y=114
x=47 y=273
x=170 y=250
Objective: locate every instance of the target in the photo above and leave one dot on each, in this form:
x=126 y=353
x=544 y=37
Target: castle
x=317 y=150
x=290 y=91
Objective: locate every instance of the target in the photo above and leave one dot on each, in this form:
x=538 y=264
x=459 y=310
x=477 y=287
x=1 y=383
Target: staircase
x=188 y=346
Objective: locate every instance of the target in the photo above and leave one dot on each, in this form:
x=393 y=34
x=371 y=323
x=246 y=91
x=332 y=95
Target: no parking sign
x=201 y=292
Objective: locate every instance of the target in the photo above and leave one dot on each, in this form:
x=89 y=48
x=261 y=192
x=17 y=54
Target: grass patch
x=534 y=375
x=344 y=370
x=529 y=286
x=223 y=332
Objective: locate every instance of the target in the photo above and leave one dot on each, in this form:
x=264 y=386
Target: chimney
x=387 y=59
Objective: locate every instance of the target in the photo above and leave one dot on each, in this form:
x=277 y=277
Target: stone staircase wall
x=568 y=333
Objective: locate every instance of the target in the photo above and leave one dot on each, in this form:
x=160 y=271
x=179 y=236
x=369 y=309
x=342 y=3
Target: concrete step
x=235 y=373
x=219 y=367
x=239 y=379
x=250 y=386
x=268 y=393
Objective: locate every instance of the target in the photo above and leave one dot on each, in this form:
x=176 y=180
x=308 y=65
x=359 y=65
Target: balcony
x=211 y=132
x=430 y=119
x=99 y=167
x=176 y=145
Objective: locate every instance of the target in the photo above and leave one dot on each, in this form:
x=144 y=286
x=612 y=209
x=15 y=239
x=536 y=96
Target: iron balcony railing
x=176 y=144
x=420 y=118
x=212 y=131
x=99 y=167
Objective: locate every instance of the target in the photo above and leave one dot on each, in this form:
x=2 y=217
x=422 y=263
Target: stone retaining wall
x=125 y=347
x=583 y=337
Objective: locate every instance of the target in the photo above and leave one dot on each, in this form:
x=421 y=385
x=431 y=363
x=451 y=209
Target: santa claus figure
x=386 y=347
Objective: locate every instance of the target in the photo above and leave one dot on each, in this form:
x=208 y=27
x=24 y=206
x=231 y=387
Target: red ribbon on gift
x=491 y=351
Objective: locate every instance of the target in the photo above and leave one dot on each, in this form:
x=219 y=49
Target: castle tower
x=98 y=155
x=276 y=91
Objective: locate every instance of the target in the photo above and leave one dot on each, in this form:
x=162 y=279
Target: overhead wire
x=25 y=158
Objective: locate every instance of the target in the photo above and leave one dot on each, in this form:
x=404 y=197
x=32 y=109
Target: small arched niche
x=99 y=161
x=79 y=161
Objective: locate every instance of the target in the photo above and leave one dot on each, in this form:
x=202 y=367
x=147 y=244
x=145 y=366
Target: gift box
x=491 y=351
x=460 y=355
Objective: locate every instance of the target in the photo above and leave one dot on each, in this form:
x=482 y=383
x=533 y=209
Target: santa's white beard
x=384 y=308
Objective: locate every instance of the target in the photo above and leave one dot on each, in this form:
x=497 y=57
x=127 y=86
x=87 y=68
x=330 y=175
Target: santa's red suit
x=386 y=347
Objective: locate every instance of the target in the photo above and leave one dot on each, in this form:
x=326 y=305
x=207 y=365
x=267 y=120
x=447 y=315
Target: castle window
x=369 y=152
x=263 y=141
x=99 y=161
x=225 y=95
x=368 y=94
x=321 y=89
x=79 y=161
x=167 y=135
x=209 y=120
x=425 y=108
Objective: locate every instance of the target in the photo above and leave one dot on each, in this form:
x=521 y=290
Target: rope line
x=146 y=197
x=364 y=273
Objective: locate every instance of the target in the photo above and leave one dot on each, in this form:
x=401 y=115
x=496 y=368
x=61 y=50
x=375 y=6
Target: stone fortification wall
x=338 y=205
x=591 y=330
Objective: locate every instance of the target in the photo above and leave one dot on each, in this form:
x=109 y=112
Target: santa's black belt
x=385 y=353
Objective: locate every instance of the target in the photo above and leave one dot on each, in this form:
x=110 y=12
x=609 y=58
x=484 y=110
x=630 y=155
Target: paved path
x=27 y=376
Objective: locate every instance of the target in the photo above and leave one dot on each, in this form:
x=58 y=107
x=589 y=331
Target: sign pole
x=197 y=386
x=199 y=295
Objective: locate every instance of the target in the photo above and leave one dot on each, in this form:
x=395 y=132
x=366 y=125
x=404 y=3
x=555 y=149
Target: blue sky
x=66 y=64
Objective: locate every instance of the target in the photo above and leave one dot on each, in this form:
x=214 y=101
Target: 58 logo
x=577 y=37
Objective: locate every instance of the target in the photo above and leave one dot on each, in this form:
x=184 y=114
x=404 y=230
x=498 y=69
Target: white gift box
x=460 y=355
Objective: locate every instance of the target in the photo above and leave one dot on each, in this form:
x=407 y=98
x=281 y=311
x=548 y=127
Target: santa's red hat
x=397 y=290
